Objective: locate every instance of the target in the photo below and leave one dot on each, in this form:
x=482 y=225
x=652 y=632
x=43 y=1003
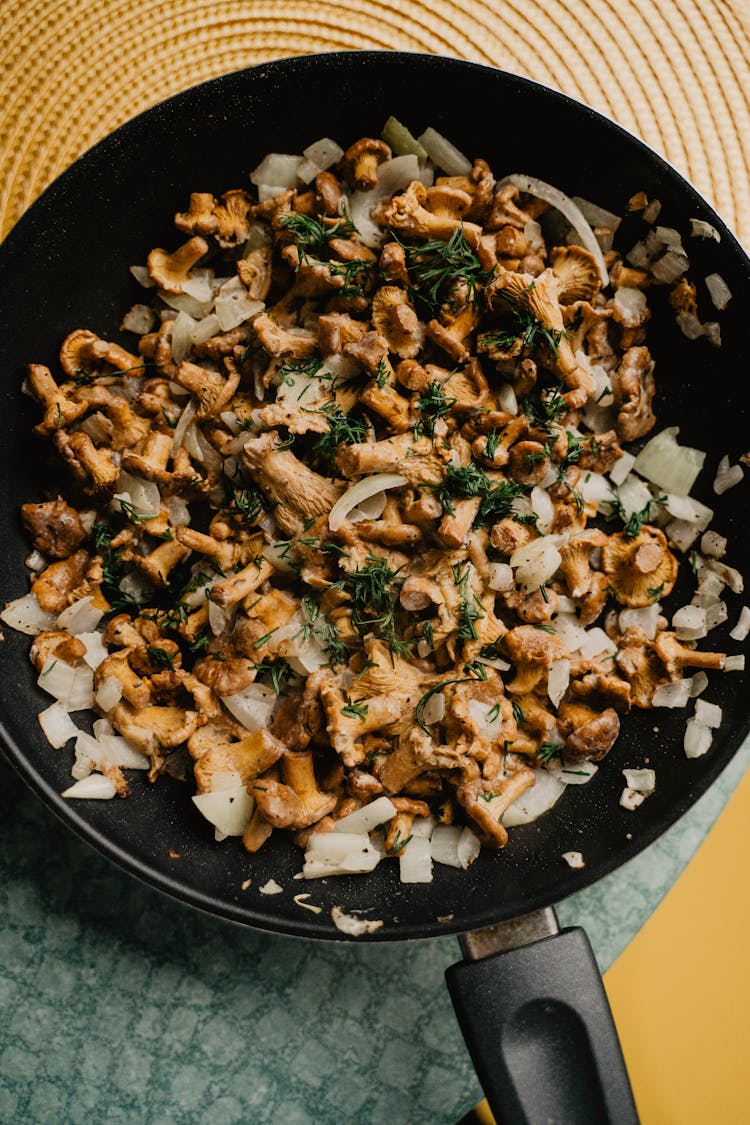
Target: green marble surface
x=119 y=1005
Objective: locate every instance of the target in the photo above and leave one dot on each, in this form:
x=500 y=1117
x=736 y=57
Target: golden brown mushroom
x=393 y=316
x=171 y=271
x=640 y=569
x=577 y=274
x=361 y=162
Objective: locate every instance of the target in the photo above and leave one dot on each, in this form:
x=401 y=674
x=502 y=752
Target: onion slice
x=565 y=205
x=362 y=490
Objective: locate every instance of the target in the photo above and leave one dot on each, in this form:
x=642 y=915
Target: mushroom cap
x=445 y=199
x=74 y=354
x=170 y=271
x=361 y=161
x=577 y=273
x=393 y=316
x=640 y=569
x=199 y=217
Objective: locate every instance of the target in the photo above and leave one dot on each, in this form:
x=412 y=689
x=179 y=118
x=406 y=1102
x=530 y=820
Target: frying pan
x=529 y=998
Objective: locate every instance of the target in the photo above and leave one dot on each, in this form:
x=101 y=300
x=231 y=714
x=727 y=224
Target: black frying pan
x=535 y=1018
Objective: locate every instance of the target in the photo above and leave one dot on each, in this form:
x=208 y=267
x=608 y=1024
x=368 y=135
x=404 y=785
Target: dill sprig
x=461 y=484
x=432 y=404
x=498 y=503
x=247 y=502
x=633 y=523
x=437 y=267
x=113 y=570
x=354 y=709
x=373 y=591
x=342 y=430
x=548 y=750
x=311 y=234
x=523 y=325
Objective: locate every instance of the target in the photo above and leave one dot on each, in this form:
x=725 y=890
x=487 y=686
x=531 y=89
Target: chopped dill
x=432 y=404
x=435 y=270
x=354 y=709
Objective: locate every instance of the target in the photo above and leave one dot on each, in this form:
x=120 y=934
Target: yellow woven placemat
x=675 y=73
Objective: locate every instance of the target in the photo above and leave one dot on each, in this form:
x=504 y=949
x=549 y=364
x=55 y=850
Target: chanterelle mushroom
x=297 y=491
x=171 y=271
x=640 y=569
x=394 y=317
x=361 y=162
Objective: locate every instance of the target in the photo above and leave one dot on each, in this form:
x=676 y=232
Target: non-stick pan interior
x=66 y=266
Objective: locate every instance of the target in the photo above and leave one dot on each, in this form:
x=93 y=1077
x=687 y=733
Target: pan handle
x=540 y=1031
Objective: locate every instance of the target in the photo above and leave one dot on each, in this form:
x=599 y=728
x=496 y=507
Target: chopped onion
x=572 y=773
x=271 y=888
x=633 y=495
x=423 y=826
x=233 y=305
x=568 y=208
x=354 y=927
x=281 y=556
x=35 y=561
x=396 y=174
x=710 y=714
x=644 y=618
x=180 y=430
x=681 y=534
x=713 y=545
x=343 y=853
x=631 y=304
x=253 y=706
x=595 y=490
x=702 y=229
x=716 y=614
x=57 y=725
x=642 y=781
x=74 y=687
x=454 y=846
x=734 y=664
x=698 y=739
x=595 y=643
x=742 y=628
x=401 y=141
x=205 y=328
x=95 y=787
x=671 y=466
x=542 y=504
x=712 y=332
x=362 y=490
x=434 y=709
x=719 y=291
x=506 y=399
x=630 y=799
x=415 y=861
x=219 y=617
x=96 y=650
x=80 y=617
x=278 y=170
x=535 y=562
x=370 y=509
x=142 y=494
x=229 y=810
x=534 y=802
x=697 y=684
x=596 y=216
x=184 y=302
x=727 y=476
x=27 y=616
x=651 y=211
x=444 y=154
x=140 y=319
x=675 y=694
x=569 y=630
x=109 y=693
x=500 y=576
x=558 y=680
x=142 y=276
x=574 y=859
x=670 y=266
x=182 y=336
x=689 y=623
x=364 y=820
x=689 y=510
x=690 y=325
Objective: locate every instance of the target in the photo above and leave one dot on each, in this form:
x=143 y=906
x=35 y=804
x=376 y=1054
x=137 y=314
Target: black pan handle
x=540 y=1031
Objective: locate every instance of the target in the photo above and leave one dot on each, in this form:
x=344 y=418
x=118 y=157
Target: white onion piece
x=282 y=556
x=57 y=725
x=74 y=687
x=701 y=229
x=500 y=576
x=574 y=859
x=35 y=561
x=253 y=706
x=569 y=630
x=671 y=466
x=370 y=509
x=572 y=773
x=716 y=614
x=434 y=709
x=644 y=618
x=229 y=810
x=675 y=694
x=323 y=153
x=142 y=494
x=184 y=302
x=396 y=174
x=96 y=650
x=643 y=780
x=178 y=511
x=634 y=495
x=444 y=154
x=488 y=720
x=364 y=820
x=565 y=205
x=698 y=739
x=689 y=325
x=109 y=693
x=535 y=562
x=205 y=328
x=423 y=826
x=697 y=684
x=233 y=306
x=182 y=336
x=362 y=490
x=558 y=680
x=352 y=926
x=595 y=643
x=541 y=502
x=742 y=628
x=670 y=266
x=596 y=216
x=27 y=616
x=689 y=623
x=358 y=859
x=595 y=490
x=631 y=305
x=415 y=861
x=80 y=617
x=454 y=846
x=681 y=534
x=720 y=292
x=727 y=476
x=506 y=399
x=219 y=618
x=712 y=332
x=142 y=276
x=277 y=169
x=689 y=510
x=734 y=664
x=630 y=799
x=139 y=319
x=534 y=802
x=183 y=422
x=713 y=545
x=710 y=714
x=95 y=787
